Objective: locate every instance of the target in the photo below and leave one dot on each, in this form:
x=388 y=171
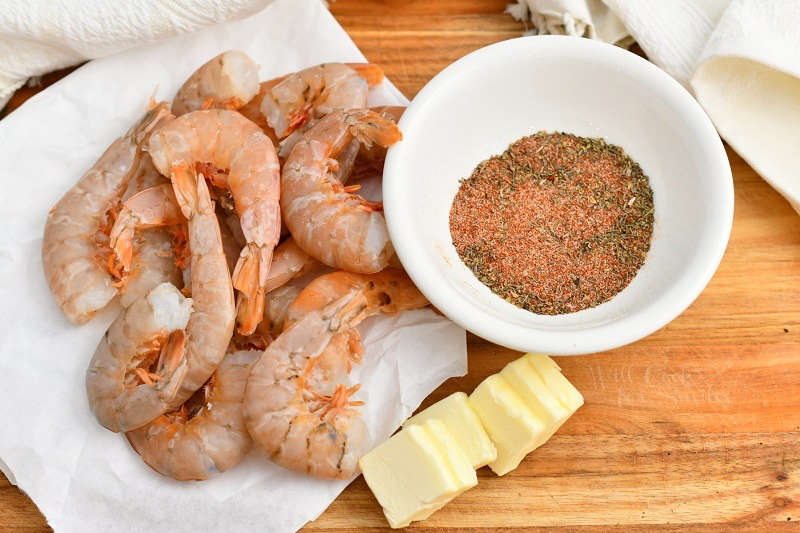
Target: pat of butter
x=522 y=406
x=538 y=381
x=550 y=372
x=416 y=472
x=462 y=422
x=512 y=426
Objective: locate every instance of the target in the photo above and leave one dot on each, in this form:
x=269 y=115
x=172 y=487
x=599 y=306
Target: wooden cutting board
x=695 y=428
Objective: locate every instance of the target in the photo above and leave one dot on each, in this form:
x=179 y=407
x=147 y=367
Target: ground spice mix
x=556 y=224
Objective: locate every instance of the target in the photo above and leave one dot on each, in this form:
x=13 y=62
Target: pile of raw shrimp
x=243 y=260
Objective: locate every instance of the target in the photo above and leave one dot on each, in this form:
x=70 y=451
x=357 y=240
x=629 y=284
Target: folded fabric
x=38 y=36
x=581 y=18
x=740 y=58
x=748 y=81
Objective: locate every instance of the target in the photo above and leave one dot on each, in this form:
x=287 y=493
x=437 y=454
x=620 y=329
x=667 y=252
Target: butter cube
x=463 y=424
x=538 y=381
x=550 y=372
x=512 y=426
x=522 y=406
x=416 y=472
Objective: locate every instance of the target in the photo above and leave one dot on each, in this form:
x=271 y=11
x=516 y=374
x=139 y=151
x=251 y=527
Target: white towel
x=582 y=18
x=38 y=36
x=748 y=80
x=741 y=59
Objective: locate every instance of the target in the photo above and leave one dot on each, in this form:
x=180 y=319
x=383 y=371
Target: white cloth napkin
x=581 y=18
x=748 y=80
x=740 y=58
x=82 y=477
x=38 y=36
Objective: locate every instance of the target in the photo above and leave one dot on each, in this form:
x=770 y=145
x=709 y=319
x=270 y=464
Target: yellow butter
x=416 y=472
x=550 y=373
x=529 y=384
x=512 y=426
x=464 y=425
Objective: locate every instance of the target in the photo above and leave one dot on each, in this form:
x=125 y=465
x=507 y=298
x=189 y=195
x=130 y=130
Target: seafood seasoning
x=555 y=224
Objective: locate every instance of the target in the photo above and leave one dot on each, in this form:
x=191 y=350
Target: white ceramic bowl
x=481 y=103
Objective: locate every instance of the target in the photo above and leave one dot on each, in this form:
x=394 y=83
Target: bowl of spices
x=556 y=194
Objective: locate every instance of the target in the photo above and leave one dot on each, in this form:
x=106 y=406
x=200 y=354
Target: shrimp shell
x=275 y=401
x=318 y=90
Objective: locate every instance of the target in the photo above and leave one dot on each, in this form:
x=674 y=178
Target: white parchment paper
x=83 y=477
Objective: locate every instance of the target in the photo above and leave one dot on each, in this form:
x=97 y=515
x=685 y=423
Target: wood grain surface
x=695 y=428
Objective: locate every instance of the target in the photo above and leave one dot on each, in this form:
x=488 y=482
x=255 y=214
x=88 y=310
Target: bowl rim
x=527 y=338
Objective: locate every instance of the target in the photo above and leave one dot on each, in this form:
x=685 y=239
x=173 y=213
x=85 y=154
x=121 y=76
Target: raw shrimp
x=157 y=206
x=315 y=92
x=389 y=291
x=210 y=326
x=139 y=366
x=355 y=162
x=327 y=221
x=124 y=392
x=207 y=435
x=296 y=406
x=228 y=81
x=235 y=154
x=74 y=248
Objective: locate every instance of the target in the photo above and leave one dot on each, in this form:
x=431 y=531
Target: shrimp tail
x=250 y=279
x=172 y=353
x=185 y=183
x=372 y=128
x=201 y=200
x=121 y=239
x=372 y=73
